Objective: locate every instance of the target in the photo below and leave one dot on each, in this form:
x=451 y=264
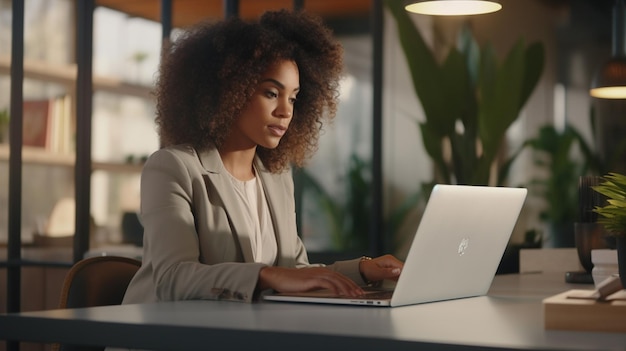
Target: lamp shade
x=452 y=7
x=610 y=81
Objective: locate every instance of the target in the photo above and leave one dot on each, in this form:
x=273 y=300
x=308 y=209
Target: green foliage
x=471 y=89
x=346 y=218
x=4 y=123
x=613 y=215
x=4 y=117
x=560 y=185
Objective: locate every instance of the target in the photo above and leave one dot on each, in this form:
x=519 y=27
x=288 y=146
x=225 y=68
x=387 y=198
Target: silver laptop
x=454 y=254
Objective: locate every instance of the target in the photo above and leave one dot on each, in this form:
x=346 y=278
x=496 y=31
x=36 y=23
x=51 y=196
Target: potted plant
x=469 y=88
x=613 y=215
x=469 y=99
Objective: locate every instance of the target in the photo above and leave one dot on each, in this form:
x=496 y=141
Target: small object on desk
x=604 y=264
x=578 y=277
x=609 y=286
x=589 y=237
x=606 y=288
x=588 y=234
x=602 y=309
x=588 y=198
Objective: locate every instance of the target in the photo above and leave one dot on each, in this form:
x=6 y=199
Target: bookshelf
x=66 y=75
x=37 y=155
x=40 y=156
x=57 y=164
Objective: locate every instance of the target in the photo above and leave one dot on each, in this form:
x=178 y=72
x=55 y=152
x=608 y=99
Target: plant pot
x=590 y=236
x=621 y=259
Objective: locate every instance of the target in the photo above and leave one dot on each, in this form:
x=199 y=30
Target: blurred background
x=364 y=190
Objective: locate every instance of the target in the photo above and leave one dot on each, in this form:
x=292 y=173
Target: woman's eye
x=271 y=94
x=293 y=100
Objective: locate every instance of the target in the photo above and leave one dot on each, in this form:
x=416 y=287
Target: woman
x=237 y=104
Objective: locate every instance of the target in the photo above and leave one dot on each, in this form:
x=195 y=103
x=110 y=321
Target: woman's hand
x=292 y=280
x=379 y=268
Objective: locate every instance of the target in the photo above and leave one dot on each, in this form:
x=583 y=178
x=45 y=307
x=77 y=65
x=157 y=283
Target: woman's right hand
x=293 y=280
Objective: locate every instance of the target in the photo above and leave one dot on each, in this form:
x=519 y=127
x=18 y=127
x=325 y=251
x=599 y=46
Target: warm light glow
x=453 y=7
x=609 y=92
x=610 y=80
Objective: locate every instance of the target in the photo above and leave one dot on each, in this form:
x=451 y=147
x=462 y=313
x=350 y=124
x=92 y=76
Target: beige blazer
x=195 y=246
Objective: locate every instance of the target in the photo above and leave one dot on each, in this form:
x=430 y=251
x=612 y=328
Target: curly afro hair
x=210 y=73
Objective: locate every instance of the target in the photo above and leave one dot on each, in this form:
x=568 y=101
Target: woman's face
x=266 y=117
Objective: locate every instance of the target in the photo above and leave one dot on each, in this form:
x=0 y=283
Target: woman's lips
x=277 y=130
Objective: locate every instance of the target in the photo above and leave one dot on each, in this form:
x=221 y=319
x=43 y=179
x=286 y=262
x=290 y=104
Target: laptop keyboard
x=377 y=294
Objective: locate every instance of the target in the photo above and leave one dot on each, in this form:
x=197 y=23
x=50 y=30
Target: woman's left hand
x=382 y=267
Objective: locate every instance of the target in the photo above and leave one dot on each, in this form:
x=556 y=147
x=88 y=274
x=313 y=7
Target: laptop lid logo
x=463 y=246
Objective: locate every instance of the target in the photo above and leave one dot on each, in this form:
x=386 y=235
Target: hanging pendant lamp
x=453 y=7
x=610 y=81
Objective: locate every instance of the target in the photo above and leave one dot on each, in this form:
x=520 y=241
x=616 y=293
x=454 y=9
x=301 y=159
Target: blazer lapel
x=217 y=175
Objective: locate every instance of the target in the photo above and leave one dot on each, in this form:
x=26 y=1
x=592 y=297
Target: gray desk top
x=510 y=317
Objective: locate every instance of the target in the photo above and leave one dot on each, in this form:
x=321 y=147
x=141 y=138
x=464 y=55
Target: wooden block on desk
x=565 y=313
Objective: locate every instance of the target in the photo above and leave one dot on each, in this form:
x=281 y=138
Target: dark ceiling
x=186 y=12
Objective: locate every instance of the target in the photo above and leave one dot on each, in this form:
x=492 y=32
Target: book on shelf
x=36 y=121
x=49 y=124
x=62 y=131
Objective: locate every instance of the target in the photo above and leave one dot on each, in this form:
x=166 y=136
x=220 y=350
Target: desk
x=510 y=317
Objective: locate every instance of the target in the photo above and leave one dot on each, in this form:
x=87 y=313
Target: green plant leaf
x=471 y=51
x=419 y=59
x=533 y=68
x=432 y=143
x=613 y=215
x=500 y=96
x=468 y=89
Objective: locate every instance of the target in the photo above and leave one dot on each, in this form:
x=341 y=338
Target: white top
x=259 y=222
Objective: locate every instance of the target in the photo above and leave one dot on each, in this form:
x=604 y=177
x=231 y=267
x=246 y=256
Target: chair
x=96 y=281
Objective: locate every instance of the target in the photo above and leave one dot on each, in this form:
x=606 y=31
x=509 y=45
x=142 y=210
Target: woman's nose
x=284 y=109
